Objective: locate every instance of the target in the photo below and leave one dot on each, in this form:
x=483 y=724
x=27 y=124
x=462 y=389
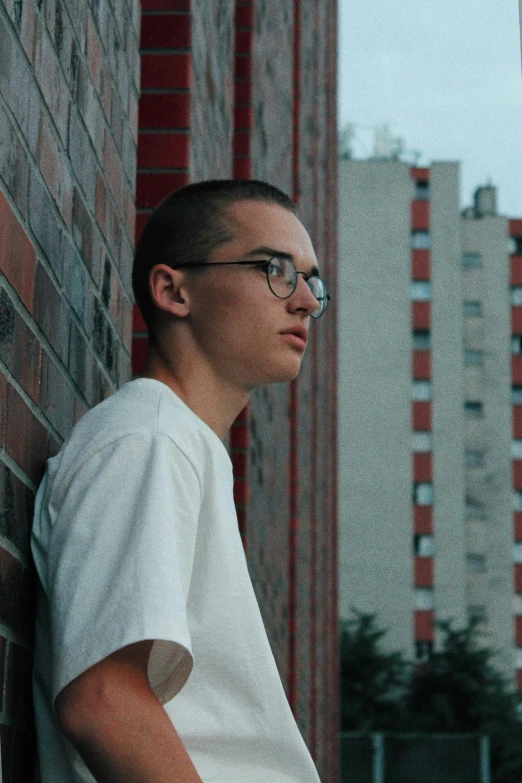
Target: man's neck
x=217 y=404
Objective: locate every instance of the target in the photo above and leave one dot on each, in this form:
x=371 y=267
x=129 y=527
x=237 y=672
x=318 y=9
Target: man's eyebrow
x=273 y=253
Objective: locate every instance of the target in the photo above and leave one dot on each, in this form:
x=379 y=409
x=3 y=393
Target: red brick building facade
x=243 y=89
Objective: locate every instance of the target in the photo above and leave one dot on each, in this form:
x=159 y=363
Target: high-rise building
x=429 y=406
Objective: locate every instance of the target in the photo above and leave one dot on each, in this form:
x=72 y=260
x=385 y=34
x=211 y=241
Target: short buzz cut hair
x=188 y=225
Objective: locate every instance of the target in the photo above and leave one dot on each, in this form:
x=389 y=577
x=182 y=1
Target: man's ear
x=168 y=291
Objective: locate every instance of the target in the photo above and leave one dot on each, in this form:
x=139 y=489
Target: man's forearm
x=130 y=739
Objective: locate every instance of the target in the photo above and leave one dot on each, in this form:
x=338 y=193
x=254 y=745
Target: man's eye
x=274 y=270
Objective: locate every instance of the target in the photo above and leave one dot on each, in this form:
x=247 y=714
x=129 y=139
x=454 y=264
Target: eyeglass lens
x=282 y=279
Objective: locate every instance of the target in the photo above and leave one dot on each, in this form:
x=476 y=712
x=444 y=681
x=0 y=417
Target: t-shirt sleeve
x=120 y=560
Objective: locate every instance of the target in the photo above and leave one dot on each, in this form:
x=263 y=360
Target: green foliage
x=459 y=690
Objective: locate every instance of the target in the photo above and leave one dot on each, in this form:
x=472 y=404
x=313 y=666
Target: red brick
x=165 y=31
x=152 y=188
x=423 y=520
x=93 y=54
x=515 y=228
x=420 y=215
x=423 y=571
x=517 y=525
x=240 y=492
x=163 y=150
x=422 y=467
x=516 y=320
x=17 y=255
x=165 y=5
x=165 y=71
x=421 y=415
x=243 y=41
x=517 y=421
x=244 y=15
x=239 y=435
x=421 y=174
x=518 y=631
x=139 y=354
x=420 y=315
x=516 y=270
x=113 y=171
x=420 y=265
x=242 y=168
x=164 y=110
x=242 y=118
x=517 y=473
x=516 y=369
x=421 y=365
x=26 y=439
x=243 y=92
x=243 y=67
x=240 y=464
x=517 y=573
x=141 y=220
x=100 y=203
x=138 y=324
x=242 y=143
x=55 y=173
x=423 y=625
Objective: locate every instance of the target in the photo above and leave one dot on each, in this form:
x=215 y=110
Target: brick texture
x=68 y=108
x=248 y=89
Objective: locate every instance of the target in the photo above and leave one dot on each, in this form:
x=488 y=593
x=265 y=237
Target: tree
x=372 y=681
x=459 y=690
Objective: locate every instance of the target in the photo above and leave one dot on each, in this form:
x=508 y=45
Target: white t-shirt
x=135 y=537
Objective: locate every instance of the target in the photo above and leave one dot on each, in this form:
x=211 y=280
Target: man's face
x=235 y=318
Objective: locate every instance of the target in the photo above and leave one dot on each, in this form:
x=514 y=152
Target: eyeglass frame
x=267 y=264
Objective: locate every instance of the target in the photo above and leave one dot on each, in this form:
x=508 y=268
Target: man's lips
x=296 y=335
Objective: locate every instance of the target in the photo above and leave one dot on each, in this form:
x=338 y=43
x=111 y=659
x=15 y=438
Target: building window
x=471 y=259
x=475 y=509
x=423 y=651
x=473 y=357
x=421 y=340
x=477 y=612
x=472 y=308
x=423 y=546
x=421 y=441
x=422 y=494
x=421 y=390
x=473 y=408
x=420 y=240
x=517 y=500
x=517 y=603
x=474 y=459
x=516 y=344
x=515 y=246
x=420 y=291
x=516 y=449
x=516 y=295
x=516 y=395
x=517 y=552
x=423 y=598
x=422 y=190
x=476 y=562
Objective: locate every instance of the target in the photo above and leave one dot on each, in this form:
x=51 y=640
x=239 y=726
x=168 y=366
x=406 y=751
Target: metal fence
x=414 y=758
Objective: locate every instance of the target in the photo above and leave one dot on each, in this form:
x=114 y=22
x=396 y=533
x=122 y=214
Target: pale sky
x=445 y=76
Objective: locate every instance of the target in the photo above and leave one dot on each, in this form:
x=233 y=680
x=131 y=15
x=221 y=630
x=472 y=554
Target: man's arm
x=113 y=718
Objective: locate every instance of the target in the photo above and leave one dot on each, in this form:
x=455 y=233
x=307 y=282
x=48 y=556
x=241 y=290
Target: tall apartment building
x=430 y=406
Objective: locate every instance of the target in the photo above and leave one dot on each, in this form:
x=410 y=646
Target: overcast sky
x=445 y=76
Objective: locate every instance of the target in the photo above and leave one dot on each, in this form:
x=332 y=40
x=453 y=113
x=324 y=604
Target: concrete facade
x=465 y=387
x=375 y=514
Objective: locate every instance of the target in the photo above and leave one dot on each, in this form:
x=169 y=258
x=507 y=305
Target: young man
x=152 y=664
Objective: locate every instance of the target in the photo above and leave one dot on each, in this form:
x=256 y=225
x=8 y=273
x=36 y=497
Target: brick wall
x=69 y=81
x=248 y=89
x=228 y=88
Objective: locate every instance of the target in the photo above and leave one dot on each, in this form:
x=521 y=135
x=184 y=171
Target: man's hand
x=119 y=727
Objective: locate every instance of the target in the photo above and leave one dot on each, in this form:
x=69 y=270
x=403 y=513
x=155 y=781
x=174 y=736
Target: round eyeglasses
x=281 y=276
